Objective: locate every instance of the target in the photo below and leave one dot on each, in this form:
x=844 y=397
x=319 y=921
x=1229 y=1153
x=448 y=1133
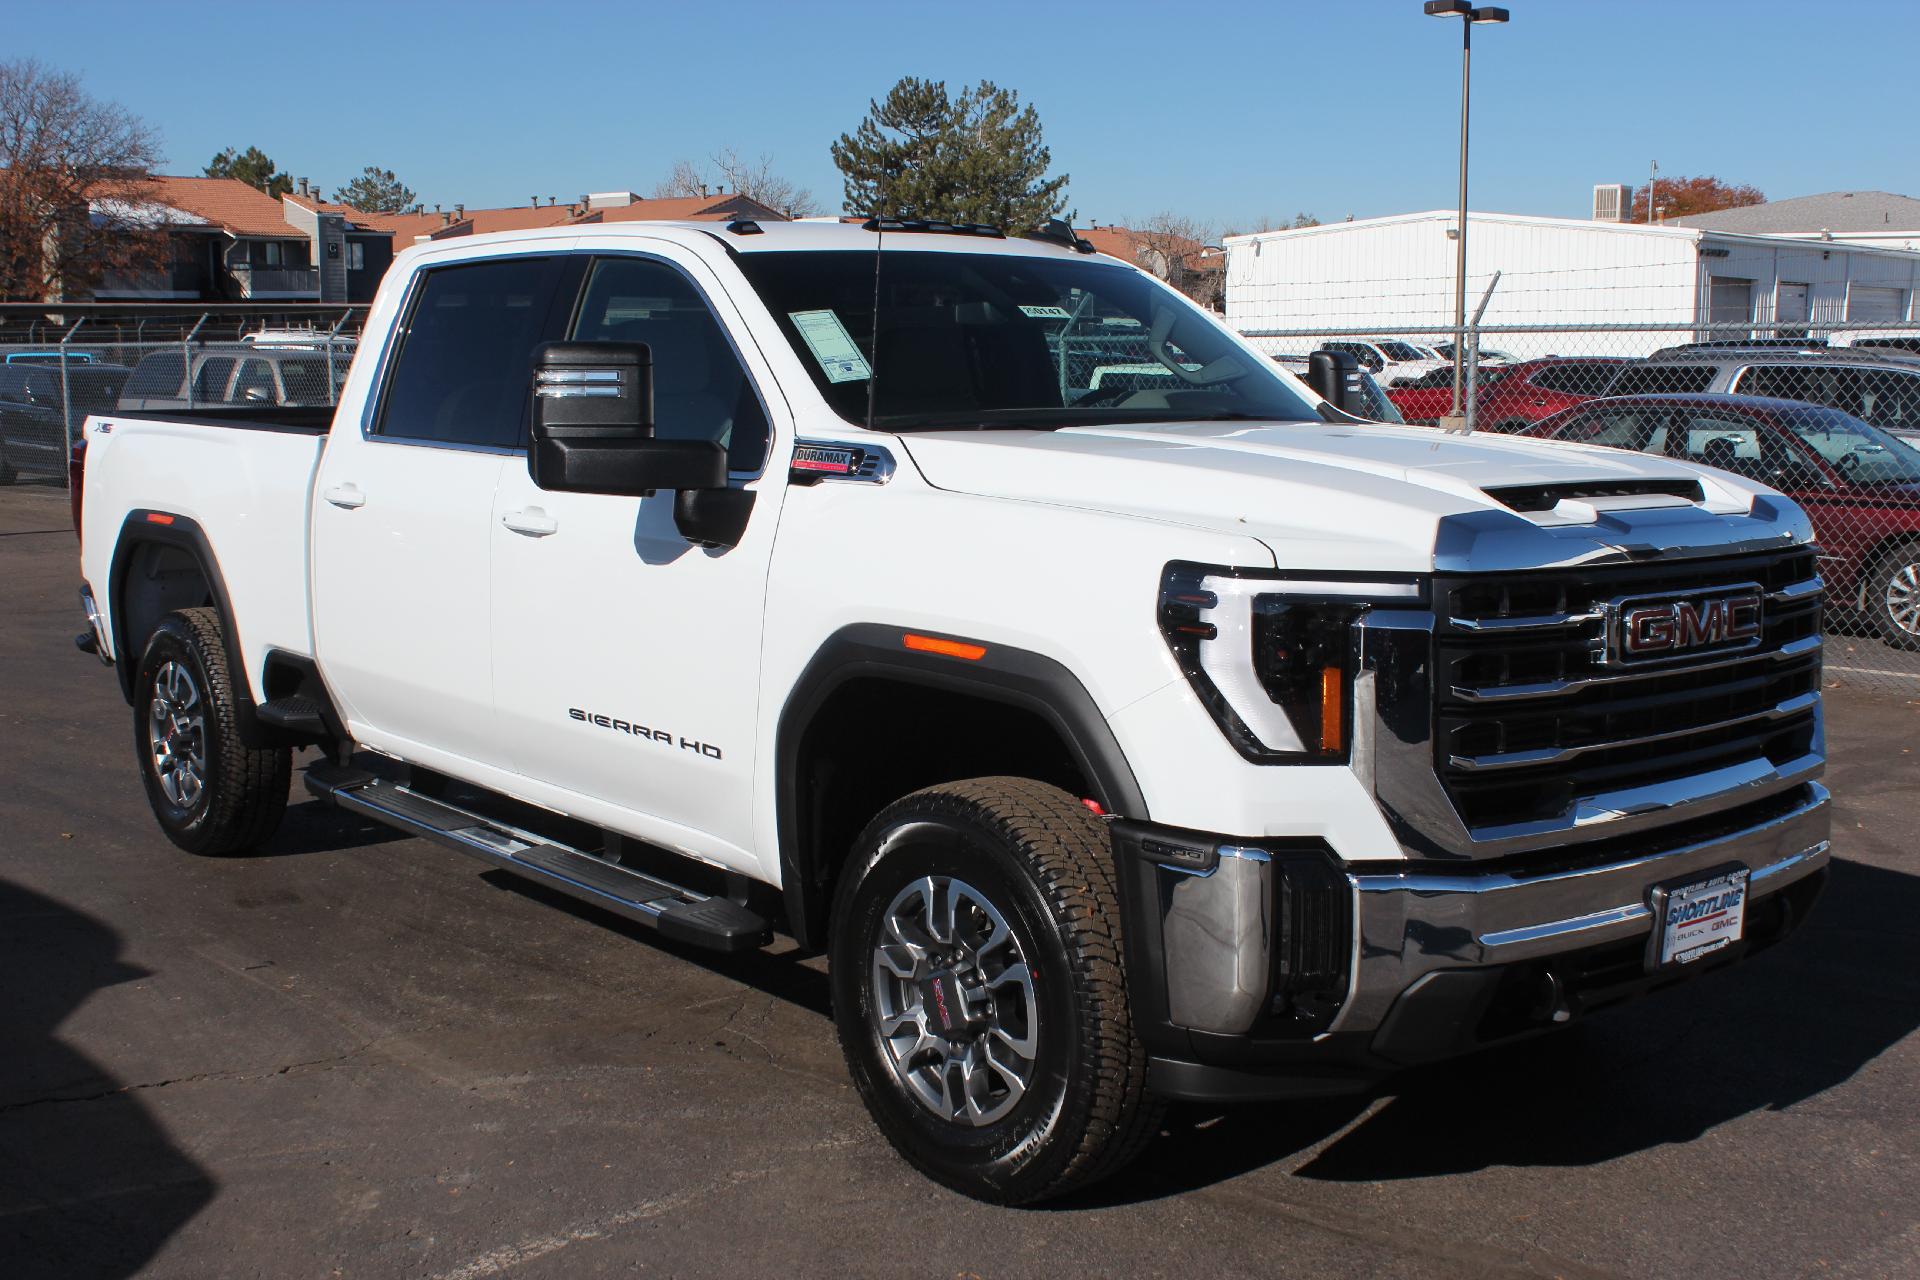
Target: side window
x=211 y=379
x=1554 y=377
x=158 y=374
x=700 y=392
x=1732 y=444
x=1644 y=430
x=1792 y=382
x=1889 y=399
x=462 y=372
x=1589 y=379
x=255 y=382
x=1652 y=379
x=305 y=381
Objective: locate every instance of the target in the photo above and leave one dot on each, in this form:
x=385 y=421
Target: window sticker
x=1047 y=313
x=831 y=345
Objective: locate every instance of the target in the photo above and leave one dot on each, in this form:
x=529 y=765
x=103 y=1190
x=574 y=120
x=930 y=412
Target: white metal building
x=1387 y=275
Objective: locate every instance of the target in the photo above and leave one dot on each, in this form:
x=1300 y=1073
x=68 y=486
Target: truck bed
x=305 y=419
x=241 y=480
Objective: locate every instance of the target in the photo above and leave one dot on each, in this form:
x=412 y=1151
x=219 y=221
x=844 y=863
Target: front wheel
x=210 y=792
x=1893 y=596
x=980 y=993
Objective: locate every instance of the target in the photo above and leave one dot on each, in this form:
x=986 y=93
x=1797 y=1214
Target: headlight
x=1273 y=657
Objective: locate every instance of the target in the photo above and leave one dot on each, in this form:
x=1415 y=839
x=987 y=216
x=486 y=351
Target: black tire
x=216 y=796
x=8 y=474
x=1892 y=592
x=1045 y=863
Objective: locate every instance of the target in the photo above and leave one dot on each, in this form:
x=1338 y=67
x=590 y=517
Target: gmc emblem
x=1655 y=628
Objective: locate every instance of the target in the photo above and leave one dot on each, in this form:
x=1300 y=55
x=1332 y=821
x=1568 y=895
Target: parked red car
x=1859 y=485
x=1511 y=395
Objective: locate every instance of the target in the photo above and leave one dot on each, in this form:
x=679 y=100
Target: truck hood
x=1336 y=496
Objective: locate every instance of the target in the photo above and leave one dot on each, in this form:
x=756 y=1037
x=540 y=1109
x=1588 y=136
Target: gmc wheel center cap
x=946 y=1005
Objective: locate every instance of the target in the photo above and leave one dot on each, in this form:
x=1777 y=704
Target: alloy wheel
x=954 y=1006
x=176 y=735
x=1903 y=598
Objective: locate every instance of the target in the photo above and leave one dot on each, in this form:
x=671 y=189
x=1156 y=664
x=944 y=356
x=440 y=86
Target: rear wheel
x=1893 y=596
x=210 y=792
x=7 y=472
x=979 y=990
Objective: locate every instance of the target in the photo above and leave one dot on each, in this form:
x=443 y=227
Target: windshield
x=1860 y=453
x=1004 y=340
x=1404 y=351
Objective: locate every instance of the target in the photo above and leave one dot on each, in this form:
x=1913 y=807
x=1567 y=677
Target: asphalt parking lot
x=359 y=1055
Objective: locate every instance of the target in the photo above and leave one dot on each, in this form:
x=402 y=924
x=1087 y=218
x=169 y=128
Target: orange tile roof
x=713 y=208
x=408 y=228
x=227 y=203
x=360 y=221
x=1118 y=242
x=1126 y=244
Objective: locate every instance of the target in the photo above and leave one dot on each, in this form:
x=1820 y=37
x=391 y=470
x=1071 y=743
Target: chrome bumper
x=1413 y=926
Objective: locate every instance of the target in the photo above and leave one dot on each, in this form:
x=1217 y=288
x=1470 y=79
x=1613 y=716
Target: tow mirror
x=1335 y=375
x=593 y=433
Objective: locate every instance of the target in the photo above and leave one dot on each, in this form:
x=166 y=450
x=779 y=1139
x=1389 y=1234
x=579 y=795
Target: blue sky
x=1226 y=112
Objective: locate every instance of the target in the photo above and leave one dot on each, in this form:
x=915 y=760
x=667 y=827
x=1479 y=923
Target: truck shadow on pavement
x=1785 y=1027
x=90 y=1184
x=317 y=827
x=783 y=974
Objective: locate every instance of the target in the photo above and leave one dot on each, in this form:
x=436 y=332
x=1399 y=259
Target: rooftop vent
x=1612 y=202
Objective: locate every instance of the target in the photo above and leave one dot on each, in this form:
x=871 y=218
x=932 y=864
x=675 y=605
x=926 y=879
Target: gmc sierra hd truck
x=1123 y=720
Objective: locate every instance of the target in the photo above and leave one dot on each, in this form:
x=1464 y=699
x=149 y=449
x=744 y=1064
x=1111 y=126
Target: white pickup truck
x=1180 y=737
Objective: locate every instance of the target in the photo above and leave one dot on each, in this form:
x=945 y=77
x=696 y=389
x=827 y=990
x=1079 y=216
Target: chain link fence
x=48 y=389
x=1827 y=412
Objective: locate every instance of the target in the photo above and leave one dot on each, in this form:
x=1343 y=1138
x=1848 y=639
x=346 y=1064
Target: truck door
x=626 y=659
x=403 y=515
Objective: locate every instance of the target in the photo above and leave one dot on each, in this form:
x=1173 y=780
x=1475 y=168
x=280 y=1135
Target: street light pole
x=1470 y=16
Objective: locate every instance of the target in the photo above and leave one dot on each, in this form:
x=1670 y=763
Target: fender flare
x=185 y=534
x=1003 y=674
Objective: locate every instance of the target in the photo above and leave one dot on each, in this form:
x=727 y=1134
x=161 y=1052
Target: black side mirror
x=593 y=426
x=593 y=433
x=1336 y=376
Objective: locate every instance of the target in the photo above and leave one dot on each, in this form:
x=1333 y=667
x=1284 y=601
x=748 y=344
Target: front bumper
x=1438 y=961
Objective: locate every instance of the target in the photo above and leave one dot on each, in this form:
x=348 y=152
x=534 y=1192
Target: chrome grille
x=1530 y=719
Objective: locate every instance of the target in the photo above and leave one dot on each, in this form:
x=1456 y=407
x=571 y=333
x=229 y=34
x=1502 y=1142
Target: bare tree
x=76 y=196
x=1183 y=252
x=754 y=179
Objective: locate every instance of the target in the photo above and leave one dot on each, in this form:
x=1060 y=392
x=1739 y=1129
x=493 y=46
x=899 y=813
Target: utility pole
x=1470 y=17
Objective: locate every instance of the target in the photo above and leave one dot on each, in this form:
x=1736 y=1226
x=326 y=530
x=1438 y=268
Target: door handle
x=346 y=495
x=533 y=522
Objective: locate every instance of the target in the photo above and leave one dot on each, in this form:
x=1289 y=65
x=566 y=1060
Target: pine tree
x=253 y=167
x=377 y=191
x=977 y=157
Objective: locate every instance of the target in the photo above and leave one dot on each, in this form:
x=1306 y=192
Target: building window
x=356 y=256
x=270 y=254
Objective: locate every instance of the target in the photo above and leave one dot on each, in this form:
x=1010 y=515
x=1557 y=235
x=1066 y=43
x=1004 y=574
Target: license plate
x=1701 y=918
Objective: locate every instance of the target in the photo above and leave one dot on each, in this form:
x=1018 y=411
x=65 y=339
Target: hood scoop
x=1599 y=495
